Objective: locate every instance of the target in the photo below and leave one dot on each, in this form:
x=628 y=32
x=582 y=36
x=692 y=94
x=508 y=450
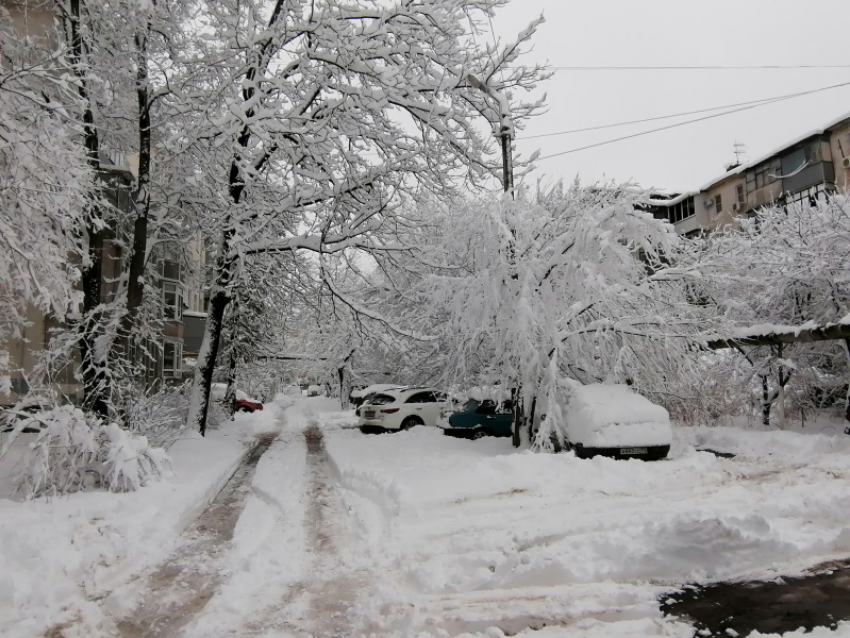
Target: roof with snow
x=802 y=138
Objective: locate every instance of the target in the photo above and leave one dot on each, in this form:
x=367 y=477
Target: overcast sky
x=679 y=33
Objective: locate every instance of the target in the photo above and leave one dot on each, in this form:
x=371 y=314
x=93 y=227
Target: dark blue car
x=480 y=418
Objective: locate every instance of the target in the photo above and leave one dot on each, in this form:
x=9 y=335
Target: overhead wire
x=765 y=100
x=707 y=67
x=693 y=121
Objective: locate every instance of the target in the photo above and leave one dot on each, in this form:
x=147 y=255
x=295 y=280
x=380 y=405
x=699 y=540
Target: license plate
x=633 y=450
x=369 y=414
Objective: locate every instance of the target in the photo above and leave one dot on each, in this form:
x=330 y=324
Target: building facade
x=802 y=170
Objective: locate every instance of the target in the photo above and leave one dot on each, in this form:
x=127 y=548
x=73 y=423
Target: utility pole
x=505 y=133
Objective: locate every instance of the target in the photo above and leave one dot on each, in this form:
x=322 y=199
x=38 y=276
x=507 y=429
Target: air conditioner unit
x=846 y=162
x=737 y=207
x=708 y=203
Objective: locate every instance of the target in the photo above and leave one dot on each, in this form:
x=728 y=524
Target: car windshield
x=382 y=399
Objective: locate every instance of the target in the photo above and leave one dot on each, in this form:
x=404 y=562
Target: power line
x=686 y=122
x=765 y=100
x=707 y=67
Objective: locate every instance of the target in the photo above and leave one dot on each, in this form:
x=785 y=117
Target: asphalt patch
x=821 y=599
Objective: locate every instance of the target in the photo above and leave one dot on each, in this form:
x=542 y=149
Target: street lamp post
x=505 y=130
x=505 y=133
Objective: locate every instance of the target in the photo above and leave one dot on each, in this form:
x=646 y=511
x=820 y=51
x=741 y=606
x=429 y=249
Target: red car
x=242 y=403
x=246 y=405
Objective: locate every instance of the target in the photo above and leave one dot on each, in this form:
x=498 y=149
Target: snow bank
x=59 y=555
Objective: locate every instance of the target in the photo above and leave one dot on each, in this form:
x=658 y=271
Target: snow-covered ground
x=472 y=535
x=63 y=559
x=420 y=535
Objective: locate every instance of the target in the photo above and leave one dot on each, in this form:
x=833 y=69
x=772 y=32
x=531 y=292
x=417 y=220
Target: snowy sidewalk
x=63 y=559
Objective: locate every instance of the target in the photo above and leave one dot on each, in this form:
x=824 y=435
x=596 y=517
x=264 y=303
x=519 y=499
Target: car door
x=425 y=405
x=432 y=407
x=417 y=404
x=489 y=418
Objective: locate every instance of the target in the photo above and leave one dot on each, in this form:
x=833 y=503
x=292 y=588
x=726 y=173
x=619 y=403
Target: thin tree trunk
x=765 y=401
x=230 y=392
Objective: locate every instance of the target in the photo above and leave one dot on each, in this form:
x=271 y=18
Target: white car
x=613 y=420
x=402 y=408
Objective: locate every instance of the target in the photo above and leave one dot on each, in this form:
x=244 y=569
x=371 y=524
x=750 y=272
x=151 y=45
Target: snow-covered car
x=613 y=420
x=401 y=409
x=476 y=419
x=359 y=396
x=242 y=402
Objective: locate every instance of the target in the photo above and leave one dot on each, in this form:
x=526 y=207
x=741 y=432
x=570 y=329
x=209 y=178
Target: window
x=801 y=158
x=422 y=397
x=487 y=407
x=172 y=359
x=172 y=301
x=382 y=399
x=682 y=210
x=171 y=270
x=741 y=194
x=718 y=203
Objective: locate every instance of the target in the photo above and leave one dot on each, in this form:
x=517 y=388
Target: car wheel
x=410 y=422
x=479 y=434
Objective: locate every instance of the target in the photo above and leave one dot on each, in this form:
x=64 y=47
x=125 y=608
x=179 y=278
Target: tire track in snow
x=180 y=588
x=334 y=588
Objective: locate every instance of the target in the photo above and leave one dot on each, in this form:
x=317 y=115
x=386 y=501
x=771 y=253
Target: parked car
x=613 y=420
x=361 y=395
x=401 y=409
x=242 y=403
x=476 y=419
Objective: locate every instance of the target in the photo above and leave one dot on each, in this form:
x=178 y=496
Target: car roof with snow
x=602 y=403
x=402 y=392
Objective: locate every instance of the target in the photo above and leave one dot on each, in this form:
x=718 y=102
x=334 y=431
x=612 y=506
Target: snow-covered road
x=417 y=534
x=420 y=535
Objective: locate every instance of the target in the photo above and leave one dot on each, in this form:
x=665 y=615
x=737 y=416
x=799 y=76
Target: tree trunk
x=765 y=401
x=199 y=403
x=519 y=418
x=93 y=359
x=230 y=393
x=141 y=197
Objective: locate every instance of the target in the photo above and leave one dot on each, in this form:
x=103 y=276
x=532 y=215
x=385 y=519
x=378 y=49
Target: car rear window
x=382 y=399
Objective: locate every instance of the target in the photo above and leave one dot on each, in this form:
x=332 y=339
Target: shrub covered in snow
x=75 y=451
x=161 y=416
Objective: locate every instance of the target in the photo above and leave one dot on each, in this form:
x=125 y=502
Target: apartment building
x=803 y=169
x=175 y=269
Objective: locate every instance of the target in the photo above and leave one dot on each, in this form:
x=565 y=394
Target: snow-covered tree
x=784 y=267
x=555 y=285
x=316 y=117
x=45 y=183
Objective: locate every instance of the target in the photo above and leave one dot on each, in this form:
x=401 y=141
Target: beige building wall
x=732 y=206
x=839 y=144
